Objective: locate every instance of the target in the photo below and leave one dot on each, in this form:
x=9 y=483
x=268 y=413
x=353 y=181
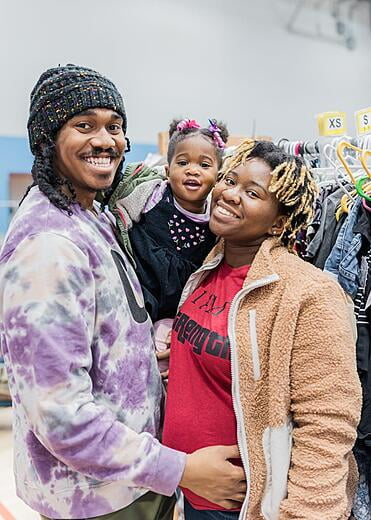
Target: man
x=75 y=334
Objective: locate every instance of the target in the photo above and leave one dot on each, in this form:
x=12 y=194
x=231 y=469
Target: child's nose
x=193 y=169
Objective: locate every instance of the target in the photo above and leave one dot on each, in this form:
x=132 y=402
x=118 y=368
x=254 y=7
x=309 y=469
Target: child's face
x=192 y=172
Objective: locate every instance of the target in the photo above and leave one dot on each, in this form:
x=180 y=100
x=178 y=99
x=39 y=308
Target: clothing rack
x=299 y=147
x=312 y=148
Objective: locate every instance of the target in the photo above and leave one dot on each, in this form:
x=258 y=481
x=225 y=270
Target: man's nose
x=102 y=139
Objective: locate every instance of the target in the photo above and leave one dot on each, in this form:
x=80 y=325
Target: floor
x=11 y=507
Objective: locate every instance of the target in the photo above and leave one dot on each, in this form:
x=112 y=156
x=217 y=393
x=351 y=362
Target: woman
x=263 y=353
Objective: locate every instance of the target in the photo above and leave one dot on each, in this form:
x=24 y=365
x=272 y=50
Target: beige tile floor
x=11 y=507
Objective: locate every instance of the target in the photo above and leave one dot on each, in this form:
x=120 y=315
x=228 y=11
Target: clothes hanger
x=363 y=191
x=329 y=150
x=360 y=186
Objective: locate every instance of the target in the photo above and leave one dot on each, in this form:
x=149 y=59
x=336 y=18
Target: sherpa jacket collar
x=263 y=264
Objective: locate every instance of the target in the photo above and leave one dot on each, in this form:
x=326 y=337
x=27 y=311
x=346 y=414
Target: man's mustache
x=110 y=151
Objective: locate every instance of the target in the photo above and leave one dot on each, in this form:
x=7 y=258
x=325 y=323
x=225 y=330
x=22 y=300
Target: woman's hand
x=164 y=355
x=209 y=474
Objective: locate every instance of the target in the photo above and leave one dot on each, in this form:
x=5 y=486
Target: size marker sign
x=363 y=121
x=332 y=123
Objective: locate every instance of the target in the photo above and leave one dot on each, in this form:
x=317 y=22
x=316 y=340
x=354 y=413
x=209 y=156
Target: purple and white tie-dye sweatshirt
x=78 y=349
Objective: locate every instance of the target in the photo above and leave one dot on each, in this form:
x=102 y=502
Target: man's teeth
x=101 y=162
x=225 y=212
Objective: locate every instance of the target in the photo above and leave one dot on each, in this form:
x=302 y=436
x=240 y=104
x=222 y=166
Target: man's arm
x=49 y=313
x=48 y=322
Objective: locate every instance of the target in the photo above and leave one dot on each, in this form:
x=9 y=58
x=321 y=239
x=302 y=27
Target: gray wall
x=199 y=58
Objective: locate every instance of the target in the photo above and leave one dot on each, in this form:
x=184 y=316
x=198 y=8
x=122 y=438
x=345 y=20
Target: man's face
x=89 y=149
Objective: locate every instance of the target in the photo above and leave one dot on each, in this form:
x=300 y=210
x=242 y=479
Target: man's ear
x=279 y=225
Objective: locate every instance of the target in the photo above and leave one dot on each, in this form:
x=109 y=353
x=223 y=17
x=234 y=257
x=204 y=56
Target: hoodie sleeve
x=49 y=311
x=325 y=405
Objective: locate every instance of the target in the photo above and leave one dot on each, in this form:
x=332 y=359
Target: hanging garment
x=343 y=261
x=362 y=503
x=323 y=241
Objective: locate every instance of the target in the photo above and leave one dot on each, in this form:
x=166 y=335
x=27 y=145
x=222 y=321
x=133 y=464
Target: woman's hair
x=178 y=132
x=292 y=183
x=50 y=183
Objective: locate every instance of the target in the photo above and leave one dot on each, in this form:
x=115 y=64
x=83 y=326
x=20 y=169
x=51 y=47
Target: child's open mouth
x=192 y=184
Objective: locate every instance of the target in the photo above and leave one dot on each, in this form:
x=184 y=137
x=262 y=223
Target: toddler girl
x=163 y=223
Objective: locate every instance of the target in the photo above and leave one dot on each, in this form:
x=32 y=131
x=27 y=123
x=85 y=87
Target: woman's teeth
x=225 y=212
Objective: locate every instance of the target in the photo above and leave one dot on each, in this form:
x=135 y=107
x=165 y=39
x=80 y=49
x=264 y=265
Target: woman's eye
x=252 y=193
x=229 y=181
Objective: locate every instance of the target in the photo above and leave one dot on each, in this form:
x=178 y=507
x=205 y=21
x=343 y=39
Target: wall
x=233 y=60
x=229 y=59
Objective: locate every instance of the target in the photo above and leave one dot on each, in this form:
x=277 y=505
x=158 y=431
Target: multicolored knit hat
x=63 y=92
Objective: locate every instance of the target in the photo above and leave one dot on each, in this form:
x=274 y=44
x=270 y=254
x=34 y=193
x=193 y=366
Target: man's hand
x=209 y=474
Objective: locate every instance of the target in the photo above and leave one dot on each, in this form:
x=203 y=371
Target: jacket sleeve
x=129 y=198
x=325 y=406
x=49 y=313
x=134 y=189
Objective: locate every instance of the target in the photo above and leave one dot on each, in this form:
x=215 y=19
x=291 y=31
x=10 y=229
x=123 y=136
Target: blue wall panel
x=16 y=158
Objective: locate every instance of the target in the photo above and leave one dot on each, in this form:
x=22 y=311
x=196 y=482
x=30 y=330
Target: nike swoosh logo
x=139 y=314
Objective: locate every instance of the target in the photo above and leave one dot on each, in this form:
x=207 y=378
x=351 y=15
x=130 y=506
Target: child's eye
x=205 y=165
x=182 y=163
x=252 y=193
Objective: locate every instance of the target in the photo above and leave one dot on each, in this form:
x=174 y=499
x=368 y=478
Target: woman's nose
x=232 y=194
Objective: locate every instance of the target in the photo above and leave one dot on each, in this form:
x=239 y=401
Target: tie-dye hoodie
x=78 y=349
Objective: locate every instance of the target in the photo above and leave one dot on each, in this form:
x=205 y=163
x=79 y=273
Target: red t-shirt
x=199 y=410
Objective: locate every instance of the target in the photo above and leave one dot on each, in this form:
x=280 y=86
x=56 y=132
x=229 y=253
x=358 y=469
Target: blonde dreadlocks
x=292 y=183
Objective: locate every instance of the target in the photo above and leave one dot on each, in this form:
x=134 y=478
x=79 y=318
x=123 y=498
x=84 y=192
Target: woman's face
x=244 y=211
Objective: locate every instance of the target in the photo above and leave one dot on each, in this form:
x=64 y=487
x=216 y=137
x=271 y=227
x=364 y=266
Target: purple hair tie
x=215 y=130
x=187 y=123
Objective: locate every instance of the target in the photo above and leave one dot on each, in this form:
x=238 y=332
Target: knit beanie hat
x=63 y=92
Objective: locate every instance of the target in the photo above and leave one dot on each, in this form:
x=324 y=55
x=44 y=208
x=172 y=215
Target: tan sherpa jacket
x=295 y=388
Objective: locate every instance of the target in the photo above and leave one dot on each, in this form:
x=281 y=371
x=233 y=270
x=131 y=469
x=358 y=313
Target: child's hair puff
x=177 y=135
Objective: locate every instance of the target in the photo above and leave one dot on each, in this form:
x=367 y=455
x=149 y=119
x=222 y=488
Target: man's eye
x=84 y=126
x=115 y=127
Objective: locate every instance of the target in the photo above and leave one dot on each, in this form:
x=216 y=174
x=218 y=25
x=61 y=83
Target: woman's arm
x=325 y=403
